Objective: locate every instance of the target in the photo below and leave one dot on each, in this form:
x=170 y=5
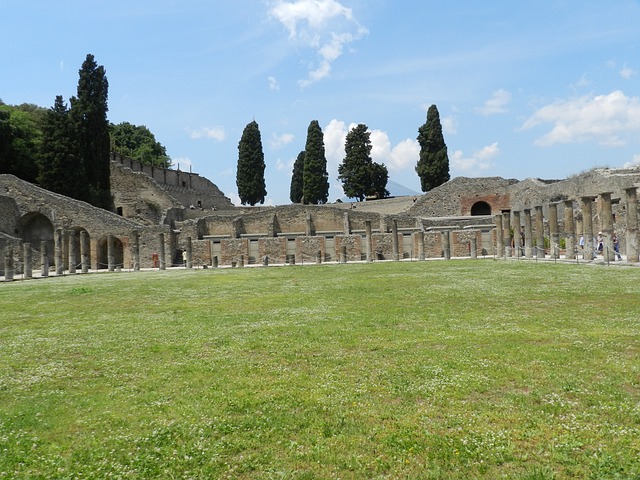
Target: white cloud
x=183 y=163
x=214 y=133
x=278 y=141
x=288 y=166
x=635 y=162
x=323 y=25
x=477 y=162
x=335 y=133
x=450 y=125
x=496 y=104
x=273 y=83
x=627 y=72
x=606 y=119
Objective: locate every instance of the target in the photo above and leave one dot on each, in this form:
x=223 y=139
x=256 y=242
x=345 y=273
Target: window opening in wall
x=199 y=203
x=119 y=211
x=481 y=208
x=184 y=184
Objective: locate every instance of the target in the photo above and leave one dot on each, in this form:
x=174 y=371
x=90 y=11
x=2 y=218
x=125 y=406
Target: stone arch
x=36 y=228
x=481 y=208
x=103 y=253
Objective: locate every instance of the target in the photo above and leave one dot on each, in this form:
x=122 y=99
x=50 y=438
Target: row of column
x=523 y=239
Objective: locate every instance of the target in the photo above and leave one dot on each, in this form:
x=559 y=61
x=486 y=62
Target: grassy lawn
x=459 y=369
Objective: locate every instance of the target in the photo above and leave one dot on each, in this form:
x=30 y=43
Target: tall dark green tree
x=315 y=188
x=20 y=140
x=89 y=115
x=250 y=172
x=60 y=170
x=360 y=176
x=137 y=142
x=297 y=179
x=433 y=165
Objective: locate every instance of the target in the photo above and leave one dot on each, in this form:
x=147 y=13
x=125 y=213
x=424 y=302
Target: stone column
x=57 y=245
x=499 y=235
x=73 y=251
x=28 y=261
x=528 y=244
x=473 y=244
x=343 y=254
x=606 y=215
x=44 y=260
x=420 y=238
x=587 y=225
x=136 y=250
x=309 y=226
x=506 y=217
x=346 y=224
x=84 y=250
x=319 y=257
x=632 y=224
x=446 y=244
x=394 y=240
x=517 y=234
x=111 y=257
x=569 y=229
x=8 y=264
x=369 y=240
x=539 y=231
x=554 y=238
x=189 y=253
x=161 y=252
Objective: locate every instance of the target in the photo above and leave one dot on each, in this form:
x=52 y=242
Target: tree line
x=65 y=149
x=361 y=177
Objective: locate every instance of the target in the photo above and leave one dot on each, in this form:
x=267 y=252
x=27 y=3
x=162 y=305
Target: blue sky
x=524 y=89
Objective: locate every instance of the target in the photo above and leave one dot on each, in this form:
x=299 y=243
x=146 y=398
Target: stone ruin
x=163 y=216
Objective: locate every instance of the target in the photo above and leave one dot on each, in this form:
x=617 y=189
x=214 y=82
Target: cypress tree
x=60 y=170
x=297 y=179
x=433 y=165
x=250 y=172
x=89 y=114
x=315 y=188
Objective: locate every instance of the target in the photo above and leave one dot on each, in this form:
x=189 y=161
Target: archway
x=480 y=208
x=103 y=253
x=37 y=228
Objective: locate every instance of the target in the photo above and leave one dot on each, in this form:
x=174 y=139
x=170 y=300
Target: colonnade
x=519 y=243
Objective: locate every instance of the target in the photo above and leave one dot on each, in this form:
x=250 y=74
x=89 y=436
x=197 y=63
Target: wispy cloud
x=326 y=26
x=278 y=141
x=635 y=162
x=496 y=104
x=606 y=119
x=273 y=83
x=214 y=133
x=477 y=162
x=627 y=72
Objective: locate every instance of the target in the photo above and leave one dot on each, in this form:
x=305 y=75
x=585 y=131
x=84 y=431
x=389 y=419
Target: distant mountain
x=397 y=190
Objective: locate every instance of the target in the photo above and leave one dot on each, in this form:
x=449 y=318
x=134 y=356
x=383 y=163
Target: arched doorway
x=480 y=208
x=37 y=228
x=103 y=253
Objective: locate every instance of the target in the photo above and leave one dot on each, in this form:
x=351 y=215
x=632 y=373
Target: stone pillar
x=587 y=225
x=111 y=257
x=369 y=240
x=394 y=239
x=319 y=257
x=238 y=225
x=189 y=253
x=57 y=245
x=517 y=234
x=28 y=261
x=420 y=237
x=73 y=251
x=161 y=252
x=241 y=261
x=346 y=224
x=606 y=216
x=554 y=238
x=309 y=226
x=44 y=260
x=265 y=261
x=136 y=250
x=343 y=254
x=84 y=250
x=499 y=235
x=632 y=224
x=506 y=217
x=473 y=244
x=8 y=264
x=539 y=231
x=528 y=243
x=569 y=229
x=446 y=244
x=214 y=261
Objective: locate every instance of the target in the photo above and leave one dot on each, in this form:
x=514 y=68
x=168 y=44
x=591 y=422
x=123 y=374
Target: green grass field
x=435 y=370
